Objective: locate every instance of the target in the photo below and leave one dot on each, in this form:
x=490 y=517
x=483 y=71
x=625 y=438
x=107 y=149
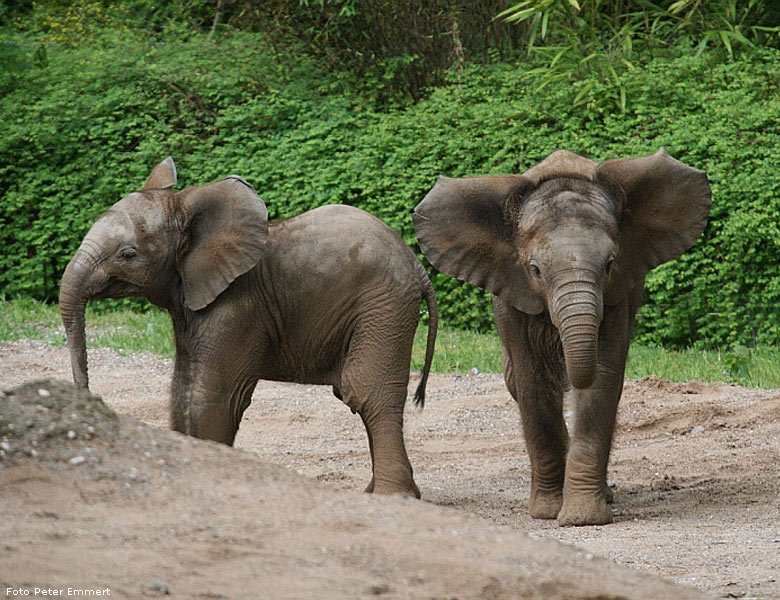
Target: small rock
x=418 y=579
x=474 y=371
x=71 y=435
x=77 y=460
x=159 y=586
x=5 y=446
x=379 y=589
x=697 y=429
x=44 y=393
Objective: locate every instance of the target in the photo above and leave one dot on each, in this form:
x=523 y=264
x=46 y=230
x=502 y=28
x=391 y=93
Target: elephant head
x=569 y=236
x=169 y=247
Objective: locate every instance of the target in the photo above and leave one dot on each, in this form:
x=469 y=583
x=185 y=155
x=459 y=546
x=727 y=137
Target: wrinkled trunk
x=577 y=310
x=74 y=294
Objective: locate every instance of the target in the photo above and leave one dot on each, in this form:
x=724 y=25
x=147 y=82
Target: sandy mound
x=96 y=501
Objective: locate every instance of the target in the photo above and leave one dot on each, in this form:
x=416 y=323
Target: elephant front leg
x=181 y=388
x=546 y=441
x=217 y=403
x=533 y=372
x=586 y=494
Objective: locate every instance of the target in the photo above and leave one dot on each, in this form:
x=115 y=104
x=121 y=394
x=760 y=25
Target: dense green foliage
x=86 y=117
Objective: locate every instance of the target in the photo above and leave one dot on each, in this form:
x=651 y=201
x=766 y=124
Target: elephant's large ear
x=464 y=231
x=666 y=209
x=163 y=176
x=226 y=228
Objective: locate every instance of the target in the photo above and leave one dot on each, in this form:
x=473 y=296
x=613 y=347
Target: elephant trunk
x=74 y=293
x=577 y=310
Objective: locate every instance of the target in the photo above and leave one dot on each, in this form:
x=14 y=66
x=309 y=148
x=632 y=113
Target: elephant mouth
x=116 y=288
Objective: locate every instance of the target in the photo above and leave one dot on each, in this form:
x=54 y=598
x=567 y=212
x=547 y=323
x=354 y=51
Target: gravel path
x=695 y=466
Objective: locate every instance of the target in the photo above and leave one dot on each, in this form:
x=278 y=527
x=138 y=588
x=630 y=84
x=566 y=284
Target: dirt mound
x=53 y=422
x=695 y=475
x=150 y=512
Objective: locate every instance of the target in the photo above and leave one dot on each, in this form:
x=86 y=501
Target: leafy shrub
x=85 y=126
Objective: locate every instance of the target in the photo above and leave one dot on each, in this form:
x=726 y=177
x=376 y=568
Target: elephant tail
x=433 y=325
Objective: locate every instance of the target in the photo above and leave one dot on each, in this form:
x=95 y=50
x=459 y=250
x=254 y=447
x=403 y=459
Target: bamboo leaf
x=513 y=9
x=737 y=35
x=702 y=45
x=581 y=94
x=558 y=57
x=726 y=42
x=678 y=6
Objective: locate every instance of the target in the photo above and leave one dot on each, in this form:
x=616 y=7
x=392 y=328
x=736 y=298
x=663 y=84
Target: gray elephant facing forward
x=565 y=249
x=328 y=297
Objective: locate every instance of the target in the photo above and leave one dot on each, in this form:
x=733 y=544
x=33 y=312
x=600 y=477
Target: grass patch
x=457 y=351
x=124 y=330
x=750 y=367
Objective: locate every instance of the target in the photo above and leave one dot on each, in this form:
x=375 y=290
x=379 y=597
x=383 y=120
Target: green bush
x=84 y=125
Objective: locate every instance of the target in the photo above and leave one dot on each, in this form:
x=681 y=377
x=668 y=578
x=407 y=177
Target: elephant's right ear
x=463 y=230
x=226 y=228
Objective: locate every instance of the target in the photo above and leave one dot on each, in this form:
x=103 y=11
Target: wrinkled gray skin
x=329 y=297
x=565 y=248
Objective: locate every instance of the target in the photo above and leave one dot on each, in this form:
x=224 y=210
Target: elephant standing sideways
x=565 y=248
x=328 y=297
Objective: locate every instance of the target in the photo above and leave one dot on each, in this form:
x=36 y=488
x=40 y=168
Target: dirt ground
x=142 y=511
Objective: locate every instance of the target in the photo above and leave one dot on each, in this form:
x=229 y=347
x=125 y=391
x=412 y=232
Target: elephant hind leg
x=392 y=471
x=374 y=383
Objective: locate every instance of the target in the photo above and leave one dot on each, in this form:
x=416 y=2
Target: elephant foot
x=410 y=489
x=545 y=505
x=582 y=510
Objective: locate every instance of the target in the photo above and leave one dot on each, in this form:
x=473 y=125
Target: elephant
x=564 y=248
x=330 y=297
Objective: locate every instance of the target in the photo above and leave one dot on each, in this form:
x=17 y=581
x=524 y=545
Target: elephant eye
x=533 y=267
x=609 y=265
x=128 y=253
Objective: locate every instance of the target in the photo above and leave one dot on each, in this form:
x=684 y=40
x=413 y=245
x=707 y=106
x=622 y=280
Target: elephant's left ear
x=163 y=176
x=226 y=228
x=665 y=212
